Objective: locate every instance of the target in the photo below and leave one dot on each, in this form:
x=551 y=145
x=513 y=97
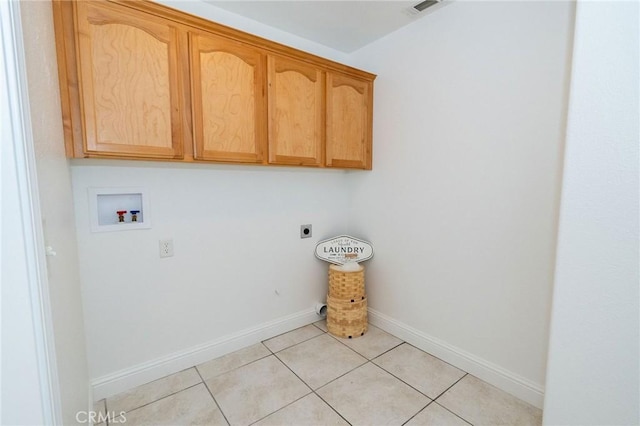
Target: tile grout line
x=106 y=409
x=389 y=350
x=334 y=410
x=333 y=380
x=153 y=381
x=339 y=339
x=439 y=359
x=330 y=335
x=293 y=372
x=206 y=386
x=408 y=384
x=411 y=386
x=295 y=344
x=344 y=374
x=418 y=390
x=158 y=399
x=281 y=408
x=161 y=398
x=235 y=368
x=419 y=411
x=431 y=400
x=361 y=365
x=336 y=338
x=314 y=324
x=458 y=416
x=445 y=391
x=271 y=353
x=298 y=377
x=456 y=382
x=313 y=390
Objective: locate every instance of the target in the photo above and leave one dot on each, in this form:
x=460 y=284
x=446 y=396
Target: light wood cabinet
x=128 y=72
x=143 y=81
x=296 y=112
x=349 y=121
x=229 y=109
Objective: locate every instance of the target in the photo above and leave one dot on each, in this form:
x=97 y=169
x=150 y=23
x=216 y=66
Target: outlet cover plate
x=166 y=248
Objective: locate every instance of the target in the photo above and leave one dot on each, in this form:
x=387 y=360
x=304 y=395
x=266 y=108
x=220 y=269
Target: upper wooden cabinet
x=140 y=80
x=349 y=121
x=296 y=112
x=228 y=96
x=129 y=83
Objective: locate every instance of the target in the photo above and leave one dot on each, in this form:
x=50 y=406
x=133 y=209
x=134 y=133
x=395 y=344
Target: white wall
x=224 y=17
x=462 y=201
x=56 y=207
x=236 y=241
x=236 y=237
x=594 y=373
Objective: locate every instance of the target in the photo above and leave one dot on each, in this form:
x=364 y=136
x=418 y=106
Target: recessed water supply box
x=118 y=209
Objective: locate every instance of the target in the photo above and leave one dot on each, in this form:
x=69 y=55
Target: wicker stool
x=346 y=303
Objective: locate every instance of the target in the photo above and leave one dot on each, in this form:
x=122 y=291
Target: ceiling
x=342 y=25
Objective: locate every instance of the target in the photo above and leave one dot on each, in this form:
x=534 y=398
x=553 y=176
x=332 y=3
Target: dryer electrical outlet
x=305 y=231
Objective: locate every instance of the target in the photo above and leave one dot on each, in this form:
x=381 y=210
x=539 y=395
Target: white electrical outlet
x=166 y=248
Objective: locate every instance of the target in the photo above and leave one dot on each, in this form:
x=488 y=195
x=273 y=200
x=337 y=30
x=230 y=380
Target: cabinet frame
x=251 y=57
x=186 y=24
x=363 y=158
x=87 y=14
x=279 y=64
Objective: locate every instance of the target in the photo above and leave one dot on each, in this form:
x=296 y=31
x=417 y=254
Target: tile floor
x=308 y=377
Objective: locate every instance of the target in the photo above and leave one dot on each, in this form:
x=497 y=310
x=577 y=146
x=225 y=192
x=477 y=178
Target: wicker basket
x=346 y=285
x=346 y=318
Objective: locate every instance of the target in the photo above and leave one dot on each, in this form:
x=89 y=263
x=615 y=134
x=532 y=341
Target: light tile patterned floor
x=308 y=377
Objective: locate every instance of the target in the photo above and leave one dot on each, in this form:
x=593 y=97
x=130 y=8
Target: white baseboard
x=146 y=372
x=137 y=375
x=508 y=381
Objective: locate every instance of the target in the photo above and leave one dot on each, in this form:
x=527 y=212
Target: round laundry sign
x=344 y=249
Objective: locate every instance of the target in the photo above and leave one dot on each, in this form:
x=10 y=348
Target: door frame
x=21 y=209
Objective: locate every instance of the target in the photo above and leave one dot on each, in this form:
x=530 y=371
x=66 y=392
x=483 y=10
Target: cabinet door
x=128 y=69
x=296 y=112
x=228 y=98
x=349 y=121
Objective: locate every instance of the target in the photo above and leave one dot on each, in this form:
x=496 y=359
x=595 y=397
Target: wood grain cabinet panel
x=296 y=112
x=228 y=100
x=139 y=80
x=128 y=72
x=349 y=122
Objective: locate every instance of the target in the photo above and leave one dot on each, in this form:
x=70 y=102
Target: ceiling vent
x=425 y=4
